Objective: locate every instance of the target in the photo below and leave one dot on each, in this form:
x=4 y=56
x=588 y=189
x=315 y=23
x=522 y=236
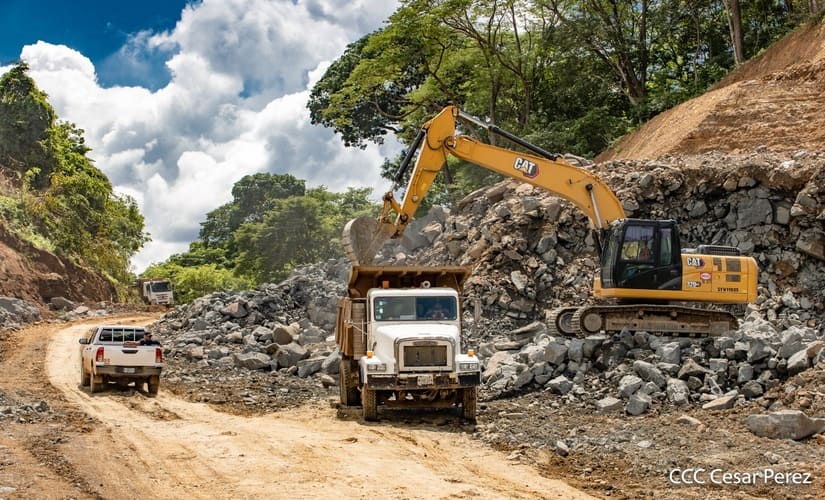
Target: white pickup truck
x=113 y=353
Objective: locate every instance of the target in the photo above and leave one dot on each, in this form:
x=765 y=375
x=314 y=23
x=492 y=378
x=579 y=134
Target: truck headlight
x=377 y=367
x=468 y=367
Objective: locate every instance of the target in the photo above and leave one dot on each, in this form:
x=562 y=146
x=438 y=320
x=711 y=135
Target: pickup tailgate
x=127 y=355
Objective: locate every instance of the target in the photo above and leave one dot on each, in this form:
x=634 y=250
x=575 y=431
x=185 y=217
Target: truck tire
x=84 y=377
x=348 y=390
x=468 y=403
x=153 y=384
x=95 y=384
x=369 y=402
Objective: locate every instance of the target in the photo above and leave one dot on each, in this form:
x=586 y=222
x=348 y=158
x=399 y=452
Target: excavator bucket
x=363 y=237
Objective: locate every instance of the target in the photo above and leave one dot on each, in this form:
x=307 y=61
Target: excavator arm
x=545 y=170
x=436 y=140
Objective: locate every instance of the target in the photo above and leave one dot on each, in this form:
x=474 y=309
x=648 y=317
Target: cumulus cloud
x=239 y=75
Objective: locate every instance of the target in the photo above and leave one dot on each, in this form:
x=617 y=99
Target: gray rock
x=720 y=403
x=638 y=404
x=798 y=362
x=670 y=353
x=575 y=350
x=785 y=424
x=629 y=384
x=677 y=391
x=288 y=355
x=752 y=389
x=649 y=373
x=310 y=366
x=745 y=373
x=283 y=334
x=691 y=368
x=560 y=385
x=252 y=360
x=609 y=404
x=555 y=353
x=332 y=363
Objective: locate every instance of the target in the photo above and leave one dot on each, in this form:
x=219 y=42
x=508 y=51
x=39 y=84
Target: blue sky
x=179 y=100
x=96 y=29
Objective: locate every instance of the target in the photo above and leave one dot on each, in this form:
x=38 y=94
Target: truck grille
x=418 y=356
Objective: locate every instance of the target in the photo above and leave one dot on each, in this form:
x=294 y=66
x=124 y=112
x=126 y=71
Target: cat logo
x=527 y=167
x=695 y=262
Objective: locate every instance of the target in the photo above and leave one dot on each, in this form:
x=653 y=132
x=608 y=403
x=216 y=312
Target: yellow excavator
x=645 y=275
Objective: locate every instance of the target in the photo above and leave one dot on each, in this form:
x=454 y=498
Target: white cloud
x=241 y=71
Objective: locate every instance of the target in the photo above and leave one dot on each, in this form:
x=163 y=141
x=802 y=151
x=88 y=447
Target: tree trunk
x=734 y=15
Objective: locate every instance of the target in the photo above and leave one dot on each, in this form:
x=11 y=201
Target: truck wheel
x=369 y=401
x=468 y=404
x=348 y=391
x=153 y=384
x=95 y=383
x=84 y=377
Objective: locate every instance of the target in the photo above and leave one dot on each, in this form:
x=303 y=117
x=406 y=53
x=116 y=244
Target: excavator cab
x=642 y=254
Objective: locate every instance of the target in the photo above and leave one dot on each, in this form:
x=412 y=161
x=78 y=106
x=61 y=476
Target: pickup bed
x=112 y=353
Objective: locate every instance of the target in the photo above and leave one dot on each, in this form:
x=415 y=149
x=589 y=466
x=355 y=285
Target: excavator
x=645 y=282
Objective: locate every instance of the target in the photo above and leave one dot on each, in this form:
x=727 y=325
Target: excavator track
x=560 y=321
x=652 y=318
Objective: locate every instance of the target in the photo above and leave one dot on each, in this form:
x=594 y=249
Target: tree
x=734 y=16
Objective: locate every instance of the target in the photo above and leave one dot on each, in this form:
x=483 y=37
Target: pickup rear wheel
x=84 y=377
x=369 y=402
x=153 y=384
x=468 y=404
x=95 y=383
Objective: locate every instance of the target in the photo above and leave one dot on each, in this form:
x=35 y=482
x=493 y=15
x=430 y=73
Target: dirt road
x=166 y=447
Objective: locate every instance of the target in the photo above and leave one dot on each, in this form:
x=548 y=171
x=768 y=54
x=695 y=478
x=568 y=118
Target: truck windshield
x=431 y=308
x=161 y=286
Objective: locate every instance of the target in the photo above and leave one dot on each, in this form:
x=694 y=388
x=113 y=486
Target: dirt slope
x=775 y=100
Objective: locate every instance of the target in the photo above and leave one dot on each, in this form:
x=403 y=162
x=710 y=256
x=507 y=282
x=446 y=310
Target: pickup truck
x=113 y=353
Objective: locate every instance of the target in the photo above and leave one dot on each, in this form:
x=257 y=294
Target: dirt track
x=132 y=444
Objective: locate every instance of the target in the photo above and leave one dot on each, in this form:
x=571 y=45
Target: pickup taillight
x=99 y=355
x=158 y=355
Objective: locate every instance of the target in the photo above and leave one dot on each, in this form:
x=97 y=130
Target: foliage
x=65 y=204
x=568 y=75
x=191 y=282
x=272 y=225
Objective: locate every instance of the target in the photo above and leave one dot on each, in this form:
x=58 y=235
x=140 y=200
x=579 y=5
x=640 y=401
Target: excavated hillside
x=773 y=101
x=35 y=275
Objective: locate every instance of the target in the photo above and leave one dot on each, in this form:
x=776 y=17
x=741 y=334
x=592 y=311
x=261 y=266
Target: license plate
x=128 y=370
x=425 y=380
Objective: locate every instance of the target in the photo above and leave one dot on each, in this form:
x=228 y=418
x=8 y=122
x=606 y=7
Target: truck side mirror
x=83 y=341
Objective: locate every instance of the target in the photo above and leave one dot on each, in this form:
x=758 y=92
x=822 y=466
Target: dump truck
x=156 y=291
x=399 y=334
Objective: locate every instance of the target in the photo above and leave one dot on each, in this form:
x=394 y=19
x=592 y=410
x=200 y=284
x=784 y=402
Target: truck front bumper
x=424 y=381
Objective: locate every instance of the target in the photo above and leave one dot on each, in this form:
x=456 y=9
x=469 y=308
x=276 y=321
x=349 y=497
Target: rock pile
x=281 y=328
x=631 y=372
x=16 y=312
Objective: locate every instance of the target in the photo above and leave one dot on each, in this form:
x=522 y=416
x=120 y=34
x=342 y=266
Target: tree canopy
x=64 y=202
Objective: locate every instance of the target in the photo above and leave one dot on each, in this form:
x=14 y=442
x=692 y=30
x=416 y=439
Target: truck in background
x=113 y=353
x=399 y=334
x=156 y=291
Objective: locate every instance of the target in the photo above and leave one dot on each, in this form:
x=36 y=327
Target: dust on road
x=170 y=448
